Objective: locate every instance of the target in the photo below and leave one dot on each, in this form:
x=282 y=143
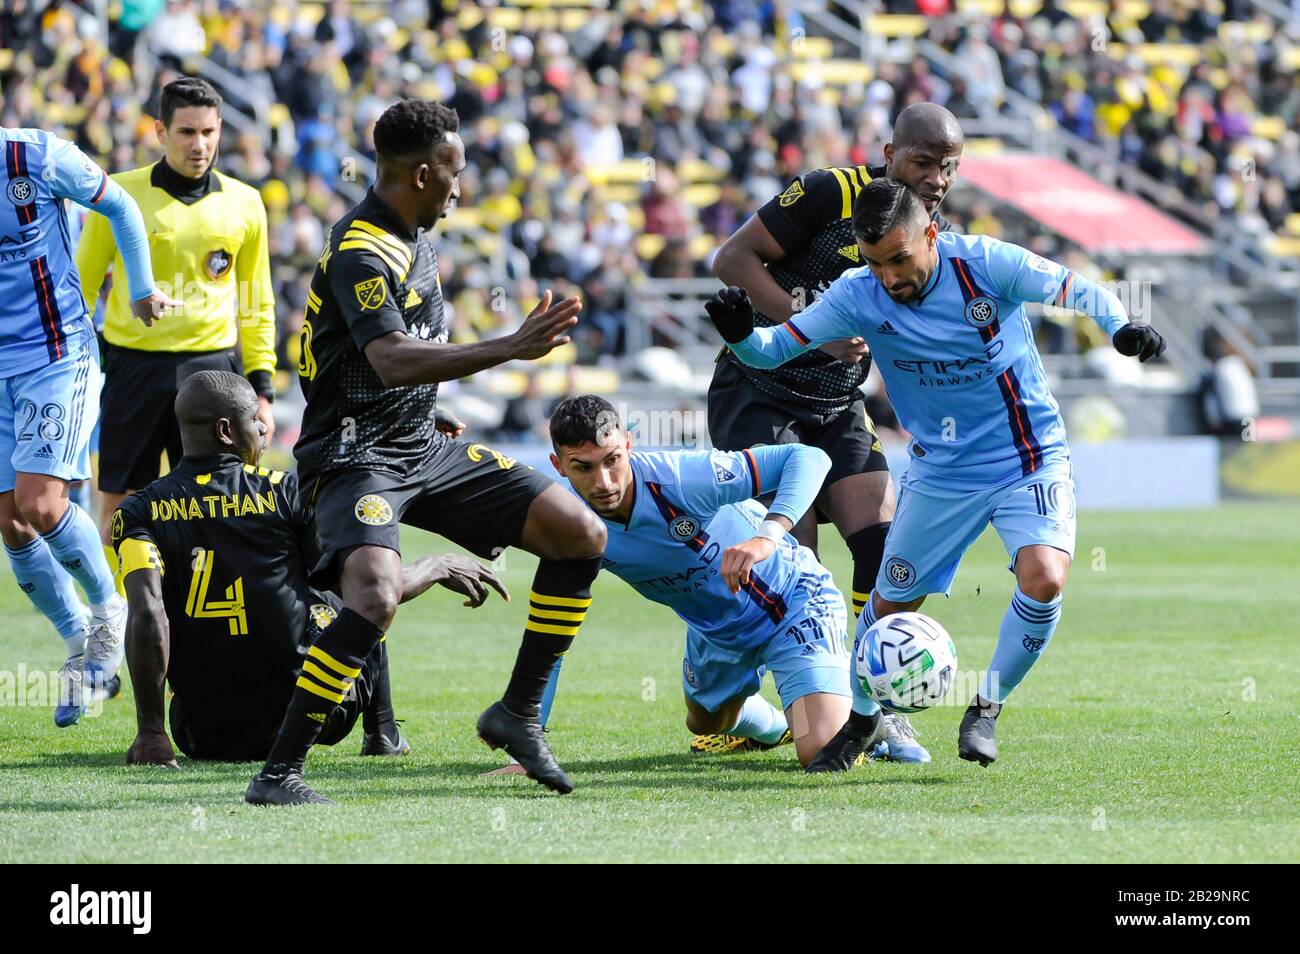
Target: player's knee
x=1043 y=581
x=40 y=510
x=586 y=538
x=699 y=722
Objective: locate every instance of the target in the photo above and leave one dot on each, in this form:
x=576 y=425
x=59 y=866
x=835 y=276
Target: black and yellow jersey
x=812 y=221
x=234 y=545
x=373 y=278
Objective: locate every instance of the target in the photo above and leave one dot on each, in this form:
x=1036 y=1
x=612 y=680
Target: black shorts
x=468 y=493
x=249 y=737
x=137 y=419
x=742 y=416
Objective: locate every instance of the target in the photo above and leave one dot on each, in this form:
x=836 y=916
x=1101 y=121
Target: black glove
x=731 y=313
x=1140 y=340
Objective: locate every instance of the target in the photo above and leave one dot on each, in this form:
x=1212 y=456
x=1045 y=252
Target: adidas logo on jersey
x=46 y=452
x=886 y=329
x=850 y=252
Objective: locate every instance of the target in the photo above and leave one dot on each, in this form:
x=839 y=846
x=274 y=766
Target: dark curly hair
x=583 y=419
x=413 y=127
x=883 y=205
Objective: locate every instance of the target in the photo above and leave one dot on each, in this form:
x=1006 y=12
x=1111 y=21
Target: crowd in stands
x=608 y=145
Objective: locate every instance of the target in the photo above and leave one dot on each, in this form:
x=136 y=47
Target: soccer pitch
x=1161 y=726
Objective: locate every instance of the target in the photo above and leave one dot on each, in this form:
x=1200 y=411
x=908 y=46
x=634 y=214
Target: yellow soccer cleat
x=723 y=744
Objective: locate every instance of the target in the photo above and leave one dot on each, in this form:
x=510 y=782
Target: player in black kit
x=784 y=256
x=215 y=557
x=374 y=347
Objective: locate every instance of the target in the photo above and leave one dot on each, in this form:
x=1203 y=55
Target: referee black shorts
x=137 y=420
x=740 y=416
x=468 y=493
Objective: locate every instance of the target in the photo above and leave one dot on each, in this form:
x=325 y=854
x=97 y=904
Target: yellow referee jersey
x=210 y=253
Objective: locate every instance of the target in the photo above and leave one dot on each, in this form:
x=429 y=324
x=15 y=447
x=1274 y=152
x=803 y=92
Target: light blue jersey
x=959 y=361
x=688 y=508
x=44 y=318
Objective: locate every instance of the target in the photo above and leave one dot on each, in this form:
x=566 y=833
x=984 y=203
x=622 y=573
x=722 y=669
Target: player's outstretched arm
x=401 y=361
x=457 y=573
x=148 y=646
x=797 y=472
x=825 y=320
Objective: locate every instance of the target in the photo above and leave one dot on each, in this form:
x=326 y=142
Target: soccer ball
x=906 y=662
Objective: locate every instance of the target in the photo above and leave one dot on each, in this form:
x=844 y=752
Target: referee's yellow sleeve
x=95 y=252
x=257 y=305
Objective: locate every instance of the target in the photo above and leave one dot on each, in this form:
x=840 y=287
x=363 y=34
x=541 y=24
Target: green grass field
x=1161 y=726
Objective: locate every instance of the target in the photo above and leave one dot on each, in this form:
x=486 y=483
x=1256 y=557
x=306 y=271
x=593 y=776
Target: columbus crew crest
x=792 y=195
x=981 y=311
x=322 y=614
x=218 y=263
x=683 y=528
x=22 y=191
x=373 y=510
x=371 y=293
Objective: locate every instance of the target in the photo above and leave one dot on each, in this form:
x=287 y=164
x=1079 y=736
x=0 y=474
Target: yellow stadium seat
x=896 y=24
x=464 y=217
x=984 y=8
x=696 y=170
x=701 y=195
x=1250 y=31
x=584 y=4
x=811 y=48
x=702 y=247
x=1290 y=58
x=469 y=17
x=6 y=58
x=1284 y=246
x=1292 y=224
x=1135 y=9
x=1083 y=9
x=648 y=246
x=625 y=193
x=832 y=72
x=506 y=18
x=1024 y=8
x=1268 y=127
x=982 y=147
x=628 y=170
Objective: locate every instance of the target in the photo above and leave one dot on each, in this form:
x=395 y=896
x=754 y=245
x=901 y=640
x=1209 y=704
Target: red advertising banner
x=1078 y=207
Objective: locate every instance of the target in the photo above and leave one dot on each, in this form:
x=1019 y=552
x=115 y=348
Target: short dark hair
x=883 y=205
x=413 y=127
x=583 y=419
x=187 y=91
x=208 y=396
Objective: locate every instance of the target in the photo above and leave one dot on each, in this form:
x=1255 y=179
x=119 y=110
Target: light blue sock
x=75 y=543
x=51 y=591
x=79 y=494
x=1027 y=628
x=548 y=697
x=863 y=704
x=760 y=720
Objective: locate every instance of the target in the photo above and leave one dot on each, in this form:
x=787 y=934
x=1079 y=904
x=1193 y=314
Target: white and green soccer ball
x=906 y=662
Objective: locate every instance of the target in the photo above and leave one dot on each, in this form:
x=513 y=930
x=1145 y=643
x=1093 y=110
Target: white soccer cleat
x=106 y=640
x=73 y=697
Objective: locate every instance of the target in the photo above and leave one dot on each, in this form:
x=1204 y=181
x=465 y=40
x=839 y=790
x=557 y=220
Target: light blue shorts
x=47 y=417
x=935 y=525
x=805 y=654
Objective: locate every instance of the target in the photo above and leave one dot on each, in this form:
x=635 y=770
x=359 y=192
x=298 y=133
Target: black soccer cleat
x=381 y=744
x=524 y=742
x=849 y=746
x=975 y=742
x=284 y=788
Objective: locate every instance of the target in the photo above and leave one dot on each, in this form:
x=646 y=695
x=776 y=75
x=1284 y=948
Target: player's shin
x=557 y=605
x=75 y=543
x=867 y=547
x=328 y=670
x=1027 y=627
x=51 y=591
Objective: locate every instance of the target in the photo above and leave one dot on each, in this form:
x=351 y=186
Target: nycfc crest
x=900 y=572
x=21 y=191
x=683 y=528
x=981 y=311
x=373 y=510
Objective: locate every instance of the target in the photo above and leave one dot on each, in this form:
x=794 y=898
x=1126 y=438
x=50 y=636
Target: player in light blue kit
x=683 y=531
x=944 y=316
x=49 y=397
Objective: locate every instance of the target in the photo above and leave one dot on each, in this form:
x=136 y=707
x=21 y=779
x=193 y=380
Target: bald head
x=217 y=411
x=926 y=151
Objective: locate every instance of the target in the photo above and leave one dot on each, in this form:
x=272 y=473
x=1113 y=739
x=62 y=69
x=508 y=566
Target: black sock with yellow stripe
x=867 y=547
x=556 y=606
x=330 y=667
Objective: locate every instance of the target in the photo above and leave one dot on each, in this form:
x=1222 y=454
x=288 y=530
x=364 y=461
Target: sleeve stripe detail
x=103 y=184
x=369 y=247
x=1063 y=297
x=365 y=228
x=799 y=336
x=753 y=472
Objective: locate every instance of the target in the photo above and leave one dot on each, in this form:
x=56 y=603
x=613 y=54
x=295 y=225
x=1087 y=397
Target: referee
x=208 y=242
